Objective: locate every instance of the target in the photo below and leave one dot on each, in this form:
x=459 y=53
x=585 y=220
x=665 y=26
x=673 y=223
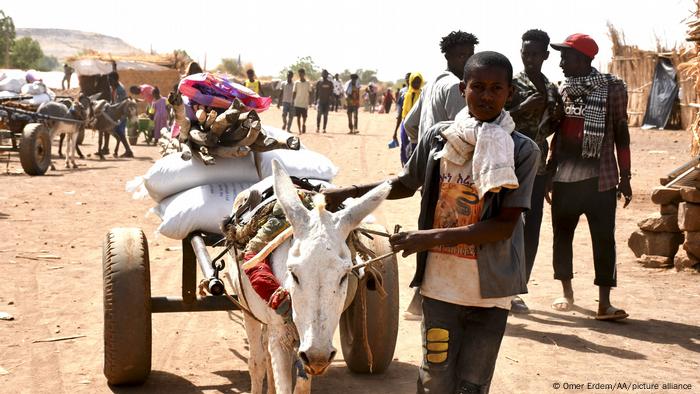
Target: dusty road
x=67 y=213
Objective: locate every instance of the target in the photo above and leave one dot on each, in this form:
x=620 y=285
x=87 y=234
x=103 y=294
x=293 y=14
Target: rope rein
x=370 y=272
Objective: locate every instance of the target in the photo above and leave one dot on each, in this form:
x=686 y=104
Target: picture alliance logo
x=575 y=109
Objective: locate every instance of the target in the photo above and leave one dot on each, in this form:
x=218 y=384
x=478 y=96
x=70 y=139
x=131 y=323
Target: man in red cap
x=587 y=175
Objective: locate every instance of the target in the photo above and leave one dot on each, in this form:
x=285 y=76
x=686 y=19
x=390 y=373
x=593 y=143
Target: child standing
x=160 y=118
x=476 y=175
x=352 y=91
x=301 y=98
x=410 y=98
x=253 y=83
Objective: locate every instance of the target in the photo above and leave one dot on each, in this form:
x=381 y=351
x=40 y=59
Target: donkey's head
x=318 y=264
x=130 y=110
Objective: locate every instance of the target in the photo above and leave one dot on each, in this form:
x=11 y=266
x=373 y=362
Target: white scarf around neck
x=488 y=145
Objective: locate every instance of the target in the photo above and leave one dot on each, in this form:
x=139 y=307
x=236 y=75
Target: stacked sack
x=191 y=195
x=15 y=83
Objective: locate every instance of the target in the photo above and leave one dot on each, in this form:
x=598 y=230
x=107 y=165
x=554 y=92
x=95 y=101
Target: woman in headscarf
x=415 y=83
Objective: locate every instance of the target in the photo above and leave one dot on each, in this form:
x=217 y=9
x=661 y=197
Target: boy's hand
x=336 y=196
x=411 y=242
x=535 y=101
x=548 y=185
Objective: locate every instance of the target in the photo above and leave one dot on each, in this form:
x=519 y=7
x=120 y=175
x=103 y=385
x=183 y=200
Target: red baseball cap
x=580 y=42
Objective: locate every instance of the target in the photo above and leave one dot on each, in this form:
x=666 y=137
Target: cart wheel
x=127 y=306
x=35 y=149
x=382 y=316
x=81 y=135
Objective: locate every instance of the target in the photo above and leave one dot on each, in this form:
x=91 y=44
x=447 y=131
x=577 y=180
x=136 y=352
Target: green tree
x=7 y=37
x=26 y=53
x=49 y=63
x=345 y=75
x=367 y=76
x=231 y=66
x=313 y=72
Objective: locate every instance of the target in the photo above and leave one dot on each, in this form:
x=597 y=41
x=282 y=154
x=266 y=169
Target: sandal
x=612 y=313
x=563 y=304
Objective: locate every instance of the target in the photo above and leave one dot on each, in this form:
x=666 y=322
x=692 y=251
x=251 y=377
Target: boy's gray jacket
x=501 y=264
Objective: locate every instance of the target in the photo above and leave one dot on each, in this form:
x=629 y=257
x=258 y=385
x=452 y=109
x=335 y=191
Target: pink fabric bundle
x=218 y=92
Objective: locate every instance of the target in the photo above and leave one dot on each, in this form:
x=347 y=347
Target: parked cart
x=29 y=134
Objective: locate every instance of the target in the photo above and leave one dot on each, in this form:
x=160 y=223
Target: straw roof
x=636 y=67
x=176 y=60
x=691 y=69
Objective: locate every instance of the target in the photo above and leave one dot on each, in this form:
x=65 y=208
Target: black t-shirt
x=325 y=91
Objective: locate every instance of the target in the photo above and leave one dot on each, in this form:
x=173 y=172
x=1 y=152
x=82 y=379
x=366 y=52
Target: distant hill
x=62 y=43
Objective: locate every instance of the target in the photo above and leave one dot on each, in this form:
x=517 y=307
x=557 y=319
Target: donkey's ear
x=350 y=217
x=286 y=193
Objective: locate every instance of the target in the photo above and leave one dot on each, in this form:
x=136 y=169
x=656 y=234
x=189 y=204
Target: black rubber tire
x=35 y=149
x=127 y=306
x=382 y=316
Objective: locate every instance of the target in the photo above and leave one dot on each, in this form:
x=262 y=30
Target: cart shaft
x=205 y=304
x=199 y=248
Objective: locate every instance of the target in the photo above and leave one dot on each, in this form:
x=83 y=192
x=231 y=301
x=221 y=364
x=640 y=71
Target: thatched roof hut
x=636 y=67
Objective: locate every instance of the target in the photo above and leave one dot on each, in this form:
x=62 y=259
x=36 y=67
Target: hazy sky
x=393 y=37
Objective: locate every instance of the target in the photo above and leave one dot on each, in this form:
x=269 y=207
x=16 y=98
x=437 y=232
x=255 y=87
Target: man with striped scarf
x=587 y=176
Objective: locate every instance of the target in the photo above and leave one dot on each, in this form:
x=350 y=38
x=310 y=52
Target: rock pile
x=657 y=242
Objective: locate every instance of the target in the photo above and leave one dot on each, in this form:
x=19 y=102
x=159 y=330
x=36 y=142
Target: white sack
x=200 y=208
x=34 y=88
x=170 y=174
x=13 y=85
x=301 y=163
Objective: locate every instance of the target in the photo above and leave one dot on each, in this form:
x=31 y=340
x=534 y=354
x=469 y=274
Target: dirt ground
x=67 y=213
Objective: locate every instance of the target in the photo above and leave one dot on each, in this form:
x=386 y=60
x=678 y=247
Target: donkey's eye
x=343 y=279
x=296 y=280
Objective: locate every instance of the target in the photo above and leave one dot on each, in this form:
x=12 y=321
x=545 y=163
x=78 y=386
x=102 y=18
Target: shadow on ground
x=399 y=378
x=653 y=331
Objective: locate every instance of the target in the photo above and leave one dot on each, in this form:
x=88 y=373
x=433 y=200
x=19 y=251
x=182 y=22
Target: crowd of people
x=487 y=148
x=327 y=95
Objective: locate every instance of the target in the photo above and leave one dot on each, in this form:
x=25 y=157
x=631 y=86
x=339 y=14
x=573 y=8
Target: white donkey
x=314 y=267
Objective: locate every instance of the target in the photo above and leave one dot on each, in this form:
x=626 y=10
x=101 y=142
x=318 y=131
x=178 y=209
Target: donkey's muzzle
x=316 y=362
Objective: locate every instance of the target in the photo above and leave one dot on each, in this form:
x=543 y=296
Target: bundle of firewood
x=691 y=69
x=233 y=133
x=693 y=33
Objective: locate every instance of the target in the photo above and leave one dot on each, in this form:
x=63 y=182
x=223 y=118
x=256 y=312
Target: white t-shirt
x=439 y=101
x=452 y=274
x=302 y=89
x=337 y=87
x=287 y=92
